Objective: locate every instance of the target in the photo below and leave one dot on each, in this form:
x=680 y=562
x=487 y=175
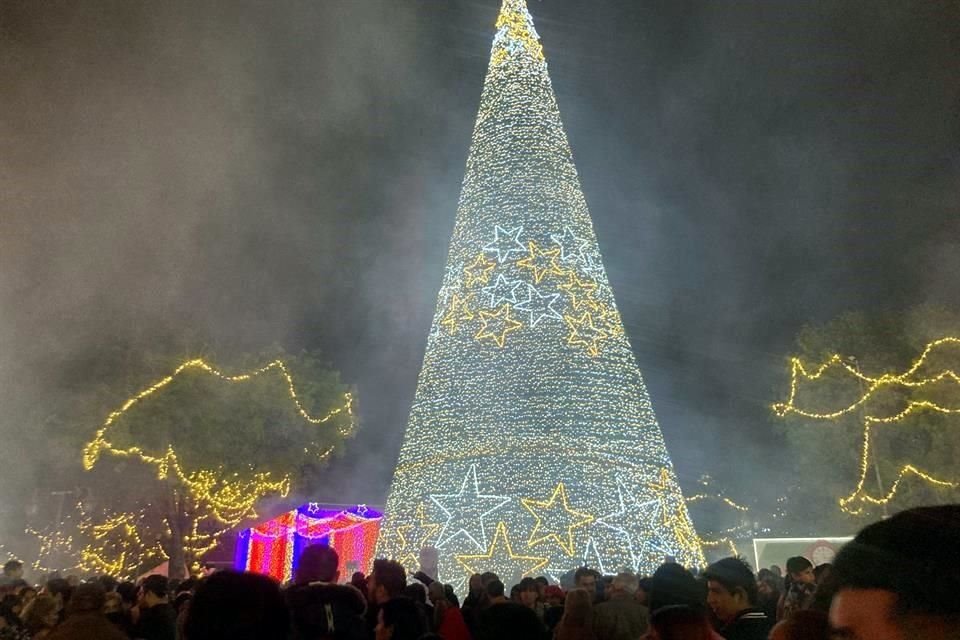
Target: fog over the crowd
x=288 y=172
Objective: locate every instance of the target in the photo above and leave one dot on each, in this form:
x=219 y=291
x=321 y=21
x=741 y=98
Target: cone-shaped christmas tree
x=532 y=447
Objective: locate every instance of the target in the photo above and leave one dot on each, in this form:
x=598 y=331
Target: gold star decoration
x=478 y=271
x=584 y=333
x=541 y=262
x=675 y=517
x=459 y=311
x=565 y=519
x=495 y=325
x=609 y=319
x=420 y=538
x=580 y=291
x=501 y=558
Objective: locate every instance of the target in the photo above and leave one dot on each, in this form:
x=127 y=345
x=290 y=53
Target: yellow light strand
x=500 y=317
x=575 y=519
x=855 y=502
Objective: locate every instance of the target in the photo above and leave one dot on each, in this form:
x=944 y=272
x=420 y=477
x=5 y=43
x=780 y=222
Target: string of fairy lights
x=871 y=387
x=217 y=500
x=531 y=444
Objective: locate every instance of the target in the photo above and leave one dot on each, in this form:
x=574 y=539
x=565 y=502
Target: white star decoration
x=592 y=558
x=502 y=290
x=572 y=248
x=539 y=306
x=466 y=510
x=613 y=520
x=505 y=242
x=313 y=507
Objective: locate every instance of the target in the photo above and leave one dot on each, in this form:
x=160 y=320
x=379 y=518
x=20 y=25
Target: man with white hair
x=621 y=617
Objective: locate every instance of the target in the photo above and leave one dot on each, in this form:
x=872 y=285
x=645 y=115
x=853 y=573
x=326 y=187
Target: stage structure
x=273 y=547
x=532 y=446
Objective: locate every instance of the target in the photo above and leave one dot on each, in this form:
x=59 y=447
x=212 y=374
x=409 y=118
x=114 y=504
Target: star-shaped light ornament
x=478 y=271
x=500 y=558
x=539 y=306
x=580 y=292
x=585 y=334
x=466 y=510
x=362 y=509
x=571 y=247
x=676 y=520
x=413 y=537
x=313 y=508
x=645 y=545
x=505 y=242
x=452 y=281
x=609 y=319
x=502 y=290
x=495 y=325
x=541 y=262
x=592 y=557
x=555 y=520
x=458 y=312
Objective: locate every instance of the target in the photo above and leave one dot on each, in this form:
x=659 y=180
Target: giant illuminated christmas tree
x=532 y=446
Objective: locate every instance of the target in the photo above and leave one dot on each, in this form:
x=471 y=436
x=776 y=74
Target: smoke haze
x=288 y=172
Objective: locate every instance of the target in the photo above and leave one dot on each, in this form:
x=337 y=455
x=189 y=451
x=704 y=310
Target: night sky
x=288 y=172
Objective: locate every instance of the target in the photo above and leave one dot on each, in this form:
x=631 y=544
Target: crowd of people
x=898 y=579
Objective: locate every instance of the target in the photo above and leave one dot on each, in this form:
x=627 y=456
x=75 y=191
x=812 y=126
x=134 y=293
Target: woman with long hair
x=577 y=620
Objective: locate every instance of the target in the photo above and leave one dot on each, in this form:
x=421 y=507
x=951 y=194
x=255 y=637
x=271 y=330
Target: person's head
x=398 y=619
x=776 y=570
x=318 y=563
x=436 y=592
x=802 y=625
x=643 y=591
x=113 y=603
x=495 y=590
x=109 y=583
x=154 y=590
x=671 y=584
x=767 y=585
x=821 y=572
x=229 y=605
x=128 y=593
x=13 y=569
x=800 y=570
x=515 y=593
x=488 y=577
x=43 y=613
x=900 y=578
x=731 y=588
x=623 y=585
x=554 y=596
x=87 y=598
x=387 y=580
x=542 y=584
x=60 y=589
x=680 y=622
x=585 y=578
x=186 y=586
x=417 y=592
x=578 y=608
x=529 y=592
x=476 y=584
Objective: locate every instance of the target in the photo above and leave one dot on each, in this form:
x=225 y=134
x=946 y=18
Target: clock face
x=822 y=553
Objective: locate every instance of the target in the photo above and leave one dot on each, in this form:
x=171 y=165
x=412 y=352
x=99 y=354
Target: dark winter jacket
x=86 y=626
x=750 y=624
x=327 y=610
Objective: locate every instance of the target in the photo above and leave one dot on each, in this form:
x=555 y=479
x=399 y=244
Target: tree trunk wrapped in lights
x=532 y=446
